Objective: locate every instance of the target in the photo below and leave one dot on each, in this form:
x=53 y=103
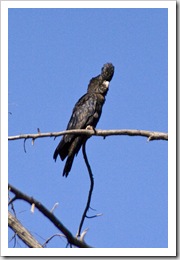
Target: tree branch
x=22 y=232
x=90 y=191
x=151 y=135
x=70 y=238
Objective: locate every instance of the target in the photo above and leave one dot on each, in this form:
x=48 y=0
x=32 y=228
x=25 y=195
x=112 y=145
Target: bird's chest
x=99 y=105
x=100 y=99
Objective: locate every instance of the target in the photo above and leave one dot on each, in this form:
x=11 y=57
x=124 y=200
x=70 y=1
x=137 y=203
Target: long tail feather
x=61 y=150
x=68 y=165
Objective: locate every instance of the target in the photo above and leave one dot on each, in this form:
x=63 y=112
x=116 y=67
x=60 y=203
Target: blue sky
x=53 y=53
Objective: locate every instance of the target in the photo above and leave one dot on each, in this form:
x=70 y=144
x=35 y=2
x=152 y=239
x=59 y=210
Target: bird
x=86 y=113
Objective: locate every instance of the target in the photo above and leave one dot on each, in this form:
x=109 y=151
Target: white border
x=88 y=4
x=171 y=250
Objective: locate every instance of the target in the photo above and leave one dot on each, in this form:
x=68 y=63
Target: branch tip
x=54 y=207
x=32 y=208
x=33 y=139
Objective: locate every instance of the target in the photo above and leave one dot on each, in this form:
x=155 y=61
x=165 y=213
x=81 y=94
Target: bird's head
x=107 y=71
x=100 y=84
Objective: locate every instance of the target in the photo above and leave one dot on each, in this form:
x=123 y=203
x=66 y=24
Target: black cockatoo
x=86 y=112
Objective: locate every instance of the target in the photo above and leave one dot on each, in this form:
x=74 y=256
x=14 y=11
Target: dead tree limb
x=70 y=238
x=22 y=232
x=151 y=135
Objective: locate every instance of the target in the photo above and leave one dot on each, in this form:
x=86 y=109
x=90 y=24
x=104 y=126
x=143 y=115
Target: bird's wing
x=83 y=114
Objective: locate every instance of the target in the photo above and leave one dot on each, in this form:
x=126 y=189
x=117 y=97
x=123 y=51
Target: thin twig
x=151 y=135
x=50 y=238
x=90 y=191
x=12 y=205
x=25 y=145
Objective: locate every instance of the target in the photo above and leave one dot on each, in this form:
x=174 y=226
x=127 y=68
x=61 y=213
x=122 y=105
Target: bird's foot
x=90 y=127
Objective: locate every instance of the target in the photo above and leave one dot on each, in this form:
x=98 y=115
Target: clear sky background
x=53 y=53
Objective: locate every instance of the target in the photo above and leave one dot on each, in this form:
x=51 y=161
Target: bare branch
x=70 y=238
x=151 y=135
x=22 y=232
x=90 y=191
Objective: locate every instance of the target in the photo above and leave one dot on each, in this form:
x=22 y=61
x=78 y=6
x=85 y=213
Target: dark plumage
x=86 y=112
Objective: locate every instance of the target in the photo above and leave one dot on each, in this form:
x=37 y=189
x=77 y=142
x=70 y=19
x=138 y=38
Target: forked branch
x=70 y=238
